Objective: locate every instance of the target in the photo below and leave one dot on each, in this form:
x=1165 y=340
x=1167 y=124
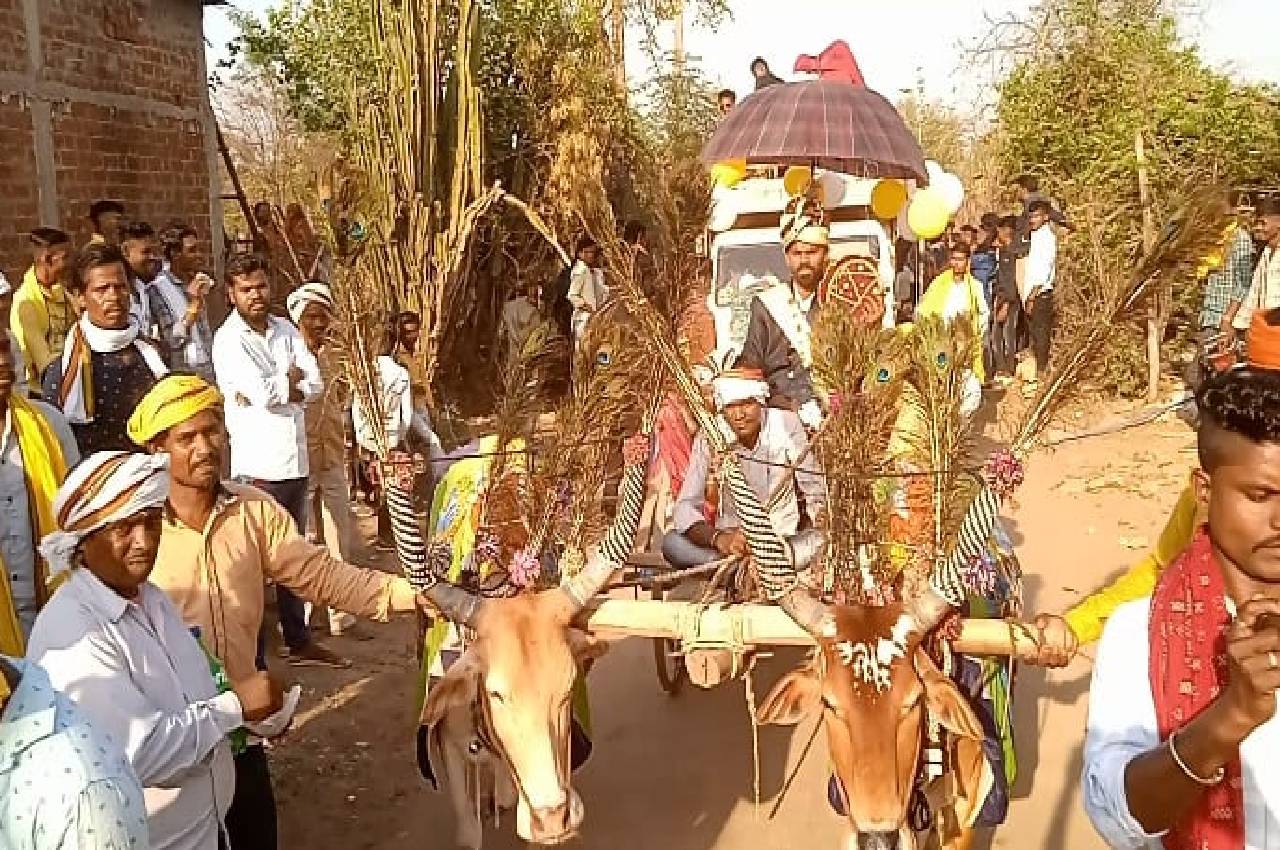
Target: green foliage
x=1104 y=74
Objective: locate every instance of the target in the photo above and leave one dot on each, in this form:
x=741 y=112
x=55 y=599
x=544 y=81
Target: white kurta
x=1122 y=726
x=136 y=671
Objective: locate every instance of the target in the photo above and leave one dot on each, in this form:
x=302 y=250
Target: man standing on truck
x=782 y=316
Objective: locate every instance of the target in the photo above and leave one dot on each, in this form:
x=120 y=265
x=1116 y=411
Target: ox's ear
x=946 y=704
x=797 y=695
x=586 y=647
x=457 y=688
x=971 y=772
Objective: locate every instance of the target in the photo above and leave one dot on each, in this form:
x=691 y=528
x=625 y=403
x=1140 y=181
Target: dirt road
x=676 y=774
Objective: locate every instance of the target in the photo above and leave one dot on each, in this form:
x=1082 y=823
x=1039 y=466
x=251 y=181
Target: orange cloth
x=1264 y=340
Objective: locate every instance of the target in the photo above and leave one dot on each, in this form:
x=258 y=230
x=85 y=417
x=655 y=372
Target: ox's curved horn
x=618 y=540
x=814 y=616
x=810 y=614
x=452 y=602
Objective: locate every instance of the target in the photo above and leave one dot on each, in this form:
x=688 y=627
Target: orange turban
x=1264 y=340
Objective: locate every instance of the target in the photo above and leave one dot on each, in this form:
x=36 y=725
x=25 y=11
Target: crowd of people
x=133 y=601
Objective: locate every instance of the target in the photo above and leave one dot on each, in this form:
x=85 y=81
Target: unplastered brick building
x=104 y=99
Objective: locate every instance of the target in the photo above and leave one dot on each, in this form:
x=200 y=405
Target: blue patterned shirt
x=1230 y=282
x=63 y=786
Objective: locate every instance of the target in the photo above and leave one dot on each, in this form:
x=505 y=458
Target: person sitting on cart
x=773 y=450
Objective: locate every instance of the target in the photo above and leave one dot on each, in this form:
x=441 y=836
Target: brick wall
x=103 y=99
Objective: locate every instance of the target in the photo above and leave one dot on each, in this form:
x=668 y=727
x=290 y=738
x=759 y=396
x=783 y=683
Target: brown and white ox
x=505 y=706
x=876 y=688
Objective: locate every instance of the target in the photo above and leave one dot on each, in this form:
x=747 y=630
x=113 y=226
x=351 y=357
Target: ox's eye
x=497 y=696
x=831 y=706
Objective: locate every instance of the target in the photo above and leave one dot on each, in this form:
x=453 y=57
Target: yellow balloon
x=728 y=173
x=887 y=199
x=928 y=214
x=797 y=179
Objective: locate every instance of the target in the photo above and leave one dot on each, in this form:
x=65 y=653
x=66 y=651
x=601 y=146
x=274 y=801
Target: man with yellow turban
x=221 y=542
x=782 y=317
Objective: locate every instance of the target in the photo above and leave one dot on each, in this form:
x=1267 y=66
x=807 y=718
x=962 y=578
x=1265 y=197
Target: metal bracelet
x=1190 y=774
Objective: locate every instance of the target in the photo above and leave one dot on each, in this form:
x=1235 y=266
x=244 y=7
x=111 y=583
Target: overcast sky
x=896 y=42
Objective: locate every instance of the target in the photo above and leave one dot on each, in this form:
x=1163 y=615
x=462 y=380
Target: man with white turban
x=772 y=447
x=116 y=645
x=782 y=317
x=328 y=490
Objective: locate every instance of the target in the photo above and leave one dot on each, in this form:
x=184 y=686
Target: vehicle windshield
x=759 y=261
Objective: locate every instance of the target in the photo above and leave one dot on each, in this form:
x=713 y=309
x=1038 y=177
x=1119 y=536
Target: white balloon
x=952 y=190
x=934 y=170
x=832 y=189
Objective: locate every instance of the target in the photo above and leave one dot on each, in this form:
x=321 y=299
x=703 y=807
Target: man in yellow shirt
x=42 y=314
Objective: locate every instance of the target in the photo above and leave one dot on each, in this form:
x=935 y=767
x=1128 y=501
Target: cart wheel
x=667 y=659
x=670 y=664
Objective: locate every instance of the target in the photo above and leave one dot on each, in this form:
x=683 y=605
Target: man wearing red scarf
x=1183 y=746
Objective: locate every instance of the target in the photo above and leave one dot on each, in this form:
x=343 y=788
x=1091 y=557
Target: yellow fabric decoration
x=934 y=303
x=1088 y=618
x=44 y=468
x=172 y=401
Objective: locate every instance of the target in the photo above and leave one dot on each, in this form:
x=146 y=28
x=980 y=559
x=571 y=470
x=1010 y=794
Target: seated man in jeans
x=771 y=445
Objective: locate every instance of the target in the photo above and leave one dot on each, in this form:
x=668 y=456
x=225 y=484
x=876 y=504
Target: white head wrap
x=738 y=385
x=313 y=292
x=5 y=286
x=105 y=488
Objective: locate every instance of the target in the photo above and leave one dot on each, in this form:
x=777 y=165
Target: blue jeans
x=292 y=496
x=681 y=552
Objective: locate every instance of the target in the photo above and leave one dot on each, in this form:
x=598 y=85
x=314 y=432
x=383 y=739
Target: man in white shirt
x=587 y=290
x=520 y=316
x=1182 y=739
x=267 y=376
x=1038 y=283
x=1264 y=289
x=177 y=298
x=770 y=442
x=116 y=645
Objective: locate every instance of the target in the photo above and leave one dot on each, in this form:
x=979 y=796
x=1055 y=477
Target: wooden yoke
x=743 y=627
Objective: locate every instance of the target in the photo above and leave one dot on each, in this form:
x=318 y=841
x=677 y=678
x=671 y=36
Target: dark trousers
x=1004 y=341
x=1040 y=326
x=251 y=820
x=292 y=496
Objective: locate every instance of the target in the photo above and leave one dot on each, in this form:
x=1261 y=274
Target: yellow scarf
x=44 y=468
x=934 y=303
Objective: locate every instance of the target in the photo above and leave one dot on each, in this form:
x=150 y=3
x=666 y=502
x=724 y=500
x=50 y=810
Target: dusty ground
x=676 y=774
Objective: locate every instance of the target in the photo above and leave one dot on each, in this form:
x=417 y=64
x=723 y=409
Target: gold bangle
x=1188 y=772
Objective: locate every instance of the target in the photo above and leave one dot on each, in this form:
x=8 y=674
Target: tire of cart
x=643 y=572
